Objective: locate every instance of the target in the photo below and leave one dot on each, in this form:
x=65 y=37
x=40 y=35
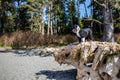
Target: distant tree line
x=57 y=16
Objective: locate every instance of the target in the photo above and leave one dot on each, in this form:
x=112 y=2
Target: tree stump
x=93 y=60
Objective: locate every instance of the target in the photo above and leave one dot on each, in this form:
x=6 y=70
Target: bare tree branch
x=103 y=5
x=116 y=19
x=93 y=20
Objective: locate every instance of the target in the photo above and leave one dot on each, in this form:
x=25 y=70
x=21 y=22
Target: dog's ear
x=75 y=25
x=78 y=27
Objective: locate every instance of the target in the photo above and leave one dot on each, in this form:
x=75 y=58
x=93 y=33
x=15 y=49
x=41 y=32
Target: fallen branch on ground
x=93 y=60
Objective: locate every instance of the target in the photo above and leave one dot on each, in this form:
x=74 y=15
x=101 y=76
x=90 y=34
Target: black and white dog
x=82 y=34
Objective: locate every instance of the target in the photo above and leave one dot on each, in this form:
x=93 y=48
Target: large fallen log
x=93 y=60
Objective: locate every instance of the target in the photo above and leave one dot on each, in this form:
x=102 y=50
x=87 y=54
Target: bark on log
x=93 y=60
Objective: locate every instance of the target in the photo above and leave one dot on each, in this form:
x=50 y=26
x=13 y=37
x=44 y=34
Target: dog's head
x=75 y=28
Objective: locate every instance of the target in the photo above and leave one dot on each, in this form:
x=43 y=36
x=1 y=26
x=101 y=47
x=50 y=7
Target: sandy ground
x=22 y=65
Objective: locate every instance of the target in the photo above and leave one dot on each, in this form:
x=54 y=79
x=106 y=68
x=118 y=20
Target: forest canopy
x=57 y=16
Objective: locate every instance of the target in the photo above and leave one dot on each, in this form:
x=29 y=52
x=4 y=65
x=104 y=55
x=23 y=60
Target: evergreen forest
x=25 y=23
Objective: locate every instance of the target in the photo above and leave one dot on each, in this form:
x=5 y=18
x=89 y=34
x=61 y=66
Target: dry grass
x=117 y=37
x=27 y=39
x=31 y=39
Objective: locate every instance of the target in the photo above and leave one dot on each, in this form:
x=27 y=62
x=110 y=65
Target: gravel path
x=14 y=66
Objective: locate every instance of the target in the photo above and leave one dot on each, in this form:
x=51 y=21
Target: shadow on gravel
x=58 y=75
x=23 y=52
x=30 y=52
x=27 y=52
x=6 y=50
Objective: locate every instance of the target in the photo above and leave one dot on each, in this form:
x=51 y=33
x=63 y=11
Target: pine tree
x=35 y=11
x=7 y=15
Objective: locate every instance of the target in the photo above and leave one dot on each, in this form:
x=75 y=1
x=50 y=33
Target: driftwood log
x=93 y=60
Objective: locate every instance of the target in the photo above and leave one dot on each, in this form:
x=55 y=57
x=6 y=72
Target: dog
x=82 y=34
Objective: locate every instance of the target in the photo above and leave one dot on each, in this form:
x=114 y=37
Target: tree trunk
x=51 y=18
x=108 y=23
x=48 y=28
x=93 y=60
x=51 y=28
x=78 y=7
x=39 y=28
x=71 y=15
x=18 y=16
x=31 y=26
x=3 y=18
x=43 y=30
x=86 y=14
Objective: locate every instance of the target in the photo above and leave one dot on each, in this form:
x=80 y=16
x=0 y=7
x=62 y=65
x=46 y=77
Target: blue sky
x=82 y=10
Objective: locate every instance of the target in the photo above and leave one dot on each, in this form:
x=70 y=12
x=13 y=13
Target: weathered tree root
x=93 y=60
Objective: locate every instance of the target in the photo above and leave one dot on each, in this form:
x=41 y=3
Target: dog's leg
x=79 y=39
x=82 y=39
